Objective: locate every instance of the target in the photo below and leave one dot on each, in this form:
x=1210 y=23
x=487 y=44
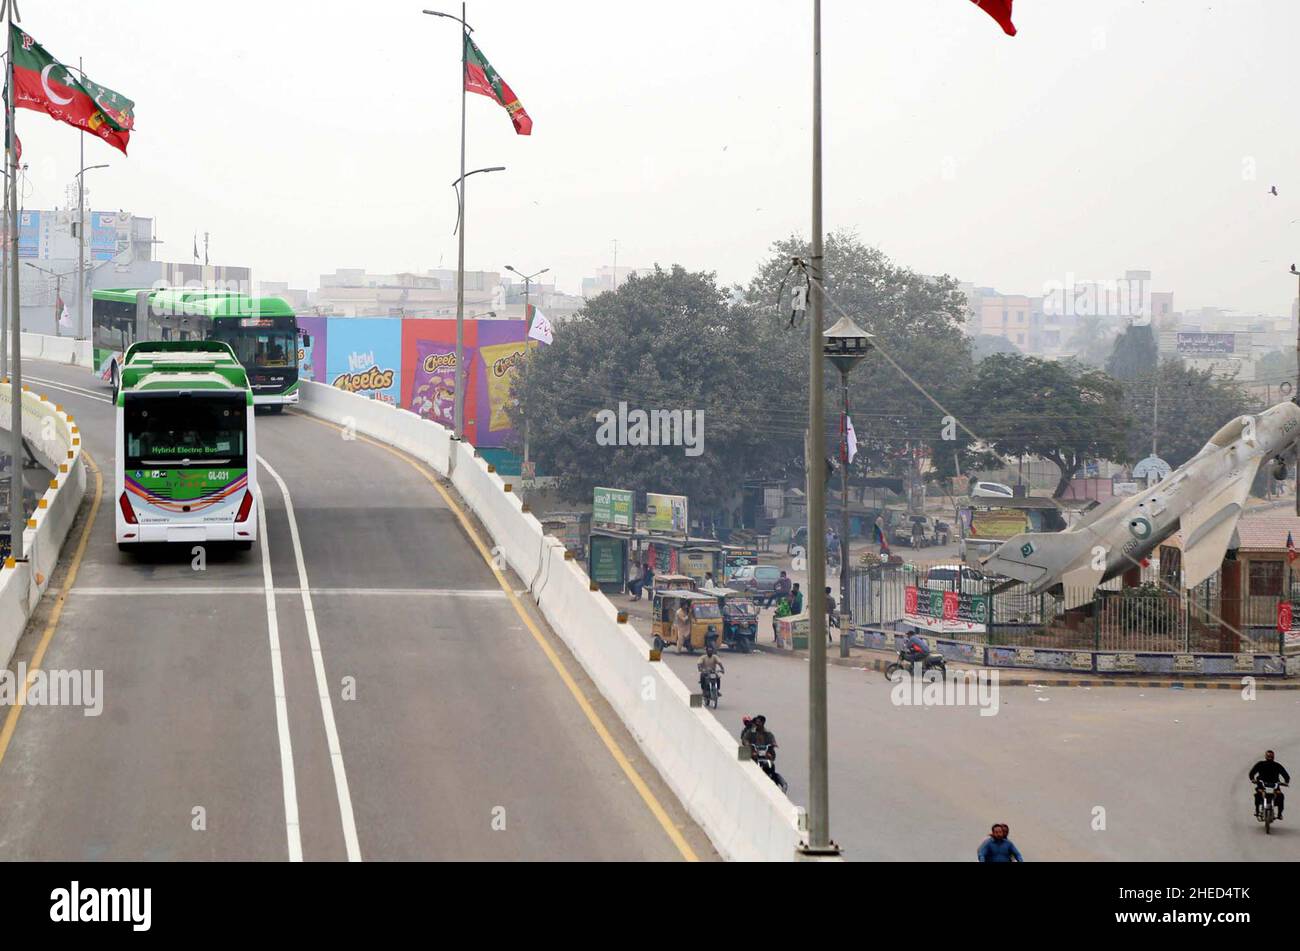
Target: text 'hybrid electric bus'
x=262 y=332
x=186 y=464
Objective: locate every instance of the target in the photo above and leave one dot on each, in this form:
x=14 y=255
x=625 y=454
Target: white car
x=991 y=490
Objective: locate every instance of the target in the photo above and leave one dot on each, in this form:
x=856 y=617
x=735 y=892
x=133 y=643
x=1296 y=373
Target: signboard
x=103 y=235
x=666 y=513
x=611 y=507
x=1283 y=616
x=527 y=474
x=29 y=234
x=606 y=560
x=998 y=523
x=738 y=558
x=365 y=356
x=1116 y=662
x=1205 y=344
x=1185 y=662
x=695 y=563
x=947 y=612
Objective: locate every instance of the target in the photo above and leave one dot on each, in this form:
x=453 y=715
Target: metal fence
x=1148 y=617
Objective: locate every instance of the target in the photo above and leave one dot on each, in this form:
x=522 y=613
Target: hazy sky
x=1109 y=134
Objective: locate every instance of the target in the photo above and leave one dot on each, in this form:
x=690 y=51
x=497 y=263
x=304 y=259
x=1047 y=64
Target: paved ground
x=1168 y=767
x=460 y=722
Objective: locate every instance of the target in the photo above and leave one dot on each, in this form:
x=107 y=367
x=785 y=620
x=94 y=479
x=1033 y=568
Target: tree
x=918 y=323
x=1276 y=368
x=1061 y=411
x=985 y=345
x=671 y=341
x=1134 y=354
x=1193 y=404
x=1091 y=341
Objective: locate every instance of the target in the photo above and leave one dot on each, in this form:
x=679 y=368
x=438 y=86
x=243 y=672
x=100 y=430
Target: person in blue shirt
x=998 y=847
x=915 y=647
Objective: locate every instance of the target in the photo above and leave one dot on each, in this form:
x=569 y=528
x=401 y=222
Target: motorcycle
x=711 y=685
x=933 y=667
x=1266 y=813
x=765 y=757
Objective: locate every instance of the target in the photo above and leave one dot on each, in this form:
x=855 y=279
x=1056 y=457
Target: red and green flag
x=43 y=84
x=481 y=78
x=999 y=10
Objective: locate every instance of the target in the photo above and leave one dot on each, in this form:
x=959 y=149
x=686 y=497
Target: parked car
x=991 y=490
x=954 y=577
x=755 y=579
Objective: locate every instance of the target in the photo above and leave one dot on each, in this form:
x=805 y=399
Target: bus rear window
x=172 y=430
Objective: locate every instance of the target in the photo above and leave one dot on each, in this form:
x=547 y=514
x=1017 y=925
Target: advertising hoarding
x=365 y=357
x=946 y=612
x=29 y=234
x=103 y=235
x=1206 y=344
x=611 y=507
x=666 y=513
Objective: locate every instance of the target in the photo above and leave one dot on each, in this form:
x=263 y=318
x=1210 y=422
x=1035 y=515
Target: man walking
x=998 y=847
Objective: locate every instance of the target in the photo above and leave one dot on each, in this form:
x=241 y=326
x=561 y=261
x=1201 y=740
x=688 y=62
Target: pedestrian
x=780 y=590
x=998 y=847
x=638 y=580
x=648 y=579
x=832 y=619
x=682 y=627
x=782 y=610
x=796 y=600
x=708 y=579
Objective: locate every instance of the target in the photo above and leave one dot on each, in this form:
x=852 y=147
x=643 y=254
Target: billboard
x=29 y=234
x=311 y=356
x=502 y=346
x=606 y=560
x=103 y=235
x=947 y=612
x=611 y=507
x=433 y=384
x=1206 y=344
x=666 y=513
x=998 y=523
x=365 y=356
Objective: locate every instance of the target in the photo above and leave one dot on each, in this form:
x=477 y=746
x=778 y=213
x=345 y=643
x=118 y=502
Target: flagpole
x=17 y=514
x=459 y=419
x=9 y=243
x=81 y=227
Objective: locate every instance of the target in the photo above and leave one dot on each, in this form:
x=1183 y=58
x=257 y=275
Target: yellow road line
x=647 y=796
x=11 y=721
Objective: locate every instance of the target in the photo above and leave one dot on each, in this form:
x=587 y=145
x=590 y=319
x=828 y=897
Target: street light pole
x=81 y=240
x=528 y=280
x=466 y=30
x=819 y=843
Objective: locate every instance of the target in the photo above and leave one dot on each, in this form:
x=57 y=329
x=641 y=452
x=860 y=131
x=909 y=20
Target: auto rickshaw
x=739 y=618
x=706 y=618
x=675 y=583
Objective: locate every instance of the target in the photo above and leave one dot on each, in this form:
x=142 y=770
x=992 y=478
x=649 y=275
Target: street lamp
x=528 y=280
x=846 y=345
x=58 y=290
x=81 y=247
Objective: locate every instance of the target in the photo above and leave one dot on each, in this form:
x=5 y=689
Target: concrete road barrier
x=742 y=811
x=56 y=442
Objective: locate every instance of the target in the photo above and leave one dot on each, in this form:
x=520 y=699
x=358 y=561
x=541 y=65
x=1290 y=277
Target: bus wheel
x=275 y=409
x=124 y=546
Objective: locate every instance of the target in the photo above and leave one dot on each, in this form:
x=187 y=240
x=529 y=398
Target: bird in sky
x=1273 y=190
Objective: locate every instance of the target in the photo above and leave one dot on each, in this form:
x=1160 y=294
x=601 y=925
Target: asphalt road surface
x=424 y=718
x=1168 y=767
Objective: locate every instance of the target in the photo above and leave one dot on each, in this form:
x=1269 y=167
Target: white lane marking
x=290 y=785
x=174 y=590
x=68 y=388
x=322 y=683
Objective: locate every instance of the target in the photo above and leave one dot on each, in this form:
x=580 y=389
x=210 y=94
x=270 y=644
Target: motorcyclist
x=1268 y=770
x=756 y=734
x=915 y=648
x=711 y=663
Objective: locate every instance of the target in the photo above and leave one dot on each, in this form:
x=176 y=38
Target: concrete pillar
x=1230 y=606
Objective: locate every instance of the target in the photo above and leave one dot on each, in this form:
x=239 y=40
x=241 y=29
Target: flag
x=481 y=78
x=1291 y=553
x=196 y=249
x=60 y=308
x=540 y=328
x=43 y=84
x=999 y=10
x=850 y=437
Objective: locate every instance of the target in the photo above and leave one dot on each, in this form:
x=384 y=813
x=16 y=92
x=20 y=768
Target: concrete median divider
x=744 y=814
x=55 y=441
x=57 y=349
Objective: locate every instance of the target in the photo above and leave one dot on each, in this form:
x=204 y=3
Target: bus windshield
x=175 y=430
x=260 y=346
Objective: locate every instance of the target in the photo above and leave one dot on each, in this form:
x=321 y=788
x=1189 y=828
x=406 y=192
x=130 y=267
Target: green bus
x=262 y=331
x=186 y=466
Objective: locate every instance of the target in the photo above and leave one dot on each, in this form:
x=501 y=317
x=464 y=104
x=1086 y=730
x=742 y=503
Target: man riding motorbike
x=1269 y=771
x=710 y=665
x=762 y=747
x=915 y=647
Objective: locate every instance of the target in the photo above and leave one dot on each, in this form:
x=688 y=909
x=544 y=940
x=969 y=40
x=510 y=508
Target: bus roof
x=183 y=365
x=206 y=303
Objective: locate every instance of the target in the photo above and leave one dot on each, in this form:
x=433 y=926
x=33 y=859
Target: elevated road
x=359 y=686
